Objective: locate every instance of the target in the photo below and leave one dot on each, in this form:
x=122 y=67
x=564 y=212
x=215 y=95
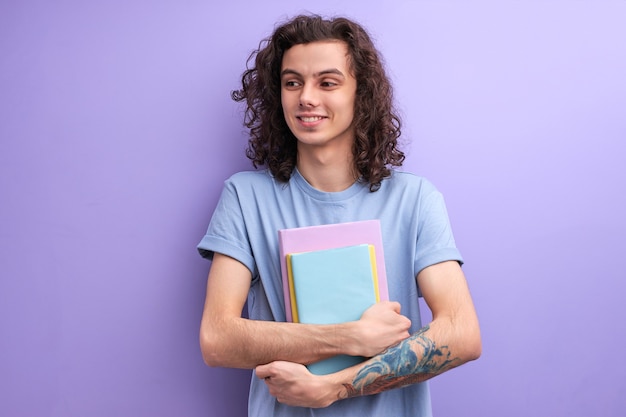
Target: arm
x=228 y=340
x=451 y=339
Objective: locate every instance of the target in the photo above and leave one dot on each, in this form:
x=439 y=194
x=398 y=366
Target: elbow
x=473 y=343
x=211 y=349
x=467 y=340
x=475 y=349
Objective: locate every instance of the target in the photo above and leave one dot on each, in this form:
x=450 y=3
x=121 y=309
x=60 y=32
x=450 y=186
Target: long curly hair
x=376 y=124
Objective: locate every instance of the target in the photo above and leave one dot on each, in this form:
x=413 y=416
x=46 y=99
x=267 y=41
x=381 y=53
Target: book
x=332 y=274
x=332 y=286
x=329 y=236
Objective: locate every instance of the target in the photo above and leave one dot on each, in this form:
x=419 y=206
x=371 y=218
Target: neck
x=326 y=171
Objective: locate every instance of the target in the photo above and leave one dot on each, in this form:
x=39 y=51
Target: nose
x=308 y=96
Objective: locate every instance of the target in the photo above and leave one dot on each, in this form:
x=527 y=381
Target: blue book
x=328 y=236
x=333 y=286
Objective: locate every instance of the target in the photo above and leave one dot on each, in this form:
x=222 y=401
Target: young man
x=319 y=109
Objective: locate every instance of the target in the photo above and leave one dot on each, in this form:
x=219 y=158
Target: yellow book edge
x=292 y=291
x=374 y=272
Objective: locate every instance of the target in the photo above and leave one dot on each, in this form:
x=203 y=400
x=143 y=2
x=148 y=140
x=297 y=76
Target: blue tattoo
x=400 y=365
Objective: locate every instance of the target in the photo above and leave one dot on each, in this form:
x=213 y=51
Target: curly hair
x=376 y=124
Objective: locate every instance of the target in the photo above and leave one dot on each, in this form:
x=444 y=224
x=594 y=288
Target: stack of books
x=332 y=274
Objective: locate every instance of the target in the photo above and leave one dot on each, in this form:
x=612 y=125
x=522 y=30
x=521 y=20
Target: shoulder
x=402 y=181
x=246 y=177
x=408 y=191
x=250 y=180
x=254 y=187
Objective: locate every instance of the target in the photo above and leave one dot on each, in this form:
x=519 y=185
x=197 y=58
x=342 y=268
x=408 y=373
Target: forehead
x=317 y=56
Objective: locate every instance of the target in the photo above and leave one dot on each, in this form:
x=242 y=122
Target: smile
x=310 y=119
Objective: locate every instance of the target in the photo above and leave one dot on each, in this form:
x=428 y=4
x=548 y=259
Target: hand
x=292 y=384
x=380 y=327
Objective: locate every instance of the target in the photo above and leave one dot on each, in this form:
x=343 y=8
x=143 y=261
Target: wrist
x=350 y=340
x=334 y=389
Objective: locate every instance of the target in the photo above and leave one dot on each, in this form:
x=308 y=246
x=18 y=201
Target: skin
x=318 y=94
x=451 y=339
x=228 y=340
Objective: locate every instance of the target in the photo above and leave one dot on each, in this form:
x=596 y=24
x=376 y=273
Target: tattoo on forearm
x=399 y=365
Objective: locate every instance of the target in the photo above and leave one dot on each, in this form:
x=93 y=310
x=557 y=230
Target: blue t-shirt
x=416 y=234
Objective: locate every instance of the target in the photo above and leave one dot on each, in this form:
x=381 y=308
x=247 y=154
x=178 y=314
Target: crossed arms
x=279 y=351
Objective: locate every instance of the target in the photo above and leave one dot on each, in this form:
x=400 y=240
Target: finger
x=395 y=306
x=263 y=371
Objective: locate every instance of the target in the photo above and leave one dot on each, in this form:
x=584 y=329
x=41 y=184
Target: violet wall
x=116 y=132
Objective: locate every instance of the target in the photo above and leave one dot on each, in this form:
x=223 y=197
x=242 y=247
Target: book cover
x=336 y=235
x=332 y=286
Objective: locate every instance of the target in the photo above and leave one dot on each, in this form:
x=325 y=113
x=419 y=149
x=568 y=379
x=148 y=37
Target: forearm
x=228 y=340
x=451 y=339
x=415 y=359
x=232 y=341
x=430 y=351
x=244 y=343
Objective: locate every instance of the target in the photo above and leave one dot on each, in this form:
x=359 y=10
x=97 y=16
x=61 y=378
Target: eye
x=328 y=84
x=292 y=84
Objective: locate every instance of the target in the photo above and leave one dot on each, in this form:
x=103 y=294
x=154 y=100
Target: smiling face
x=317 y=93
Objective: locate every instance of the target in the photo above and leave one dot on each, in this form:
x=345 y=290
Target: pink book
x=329 y=236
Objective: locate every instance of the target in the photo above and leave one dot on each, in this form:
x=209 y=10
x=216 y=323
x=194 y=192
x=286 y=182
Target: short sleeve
x=227 y=233
x=435 y=241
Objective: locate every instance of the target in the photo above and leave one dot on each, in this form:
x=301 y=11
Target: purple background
x=116 y=132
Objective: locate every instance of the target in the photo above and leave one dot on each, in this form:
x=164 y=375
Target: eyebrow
x=335 y=71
